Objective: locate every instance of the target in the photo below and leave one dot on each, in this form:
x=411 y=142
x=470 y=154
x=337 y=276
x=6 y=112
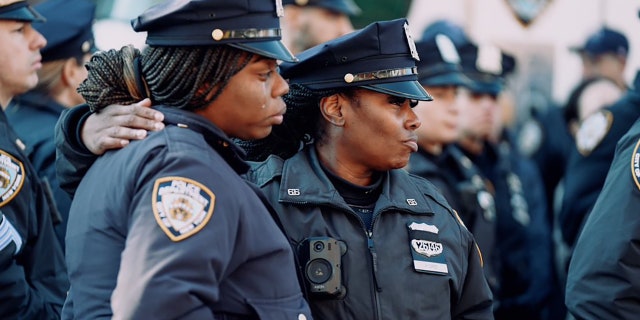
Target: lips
x=412 y=144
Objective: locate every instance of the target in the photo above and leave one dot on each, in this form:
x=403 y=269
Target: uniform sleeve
x=73 y=159
x=603 y=280
x=476 y=299
x=171 y=270
x=32 y=274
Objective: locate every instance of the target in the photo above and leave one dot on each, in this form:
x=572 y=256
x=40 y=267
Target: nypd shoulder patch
x=635 y=164
x=11 y=177
x=181 y=206
x=592 y=130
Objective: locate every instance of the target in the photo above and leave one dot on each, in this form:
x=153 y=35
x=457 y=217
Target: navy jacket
x=166 y=228
x=34 y=116
x=32 y=272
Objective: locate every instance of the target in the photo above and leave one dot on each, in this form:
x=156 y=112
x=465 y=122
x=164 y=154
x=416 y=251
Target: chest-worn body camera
x=321 y=260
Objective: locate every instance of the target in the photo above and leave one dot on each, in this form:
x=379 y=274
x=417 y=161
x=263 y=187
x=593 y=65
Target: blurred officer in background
x=179 y=233
x=34 y=114
x=344 y=202
x=605 y=54
x=604 y=276
x=32 y=273
x=523 y=238
x=307 y=23
x=438 y=158
x=345 y=187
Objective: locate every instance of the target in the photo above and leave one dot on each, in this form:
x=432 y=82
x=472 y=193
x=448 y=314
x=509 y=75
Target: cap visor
x=406 y=89
x=274 y=49
x=447 y=79
x=23 y=14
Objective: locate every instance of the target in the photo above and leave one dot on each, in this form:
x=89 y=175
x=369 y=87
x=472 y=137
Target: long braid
x=300 y=126
x=187 y=78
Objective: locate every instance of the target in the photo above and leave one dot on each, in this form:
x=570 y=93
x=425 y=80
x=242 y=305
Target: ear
x=70 y=73
x=331 y=109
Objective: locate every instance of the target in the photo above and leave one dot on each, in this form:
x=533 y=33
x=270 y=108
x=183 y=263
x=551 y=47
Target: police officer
x=603 y=275
x=32 y=273
x=523 y=238
x=374 y=242
x=438 y=158
x=34 y=114
x=166 y=228
x=307 y=23
x=589 y=162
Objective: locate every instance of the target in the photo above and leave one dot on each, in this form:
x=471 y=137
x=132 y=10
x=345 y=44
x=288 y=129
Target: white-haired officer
x=166 y=228
x=32 y=273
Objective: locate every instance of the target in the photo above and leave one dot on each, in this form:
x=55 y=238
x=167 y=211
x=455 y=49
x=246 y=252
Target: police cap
x=347 y=7
x=250 y=25
x=486 y=66
x=439 y=63
x=380 y=57
x=18 y=10
x=66 y=37
x=603 y=41
x=450 y=29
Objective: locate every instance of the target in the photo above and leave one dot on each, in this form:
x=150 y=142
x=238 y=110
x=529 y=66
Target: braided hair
x=301 y=125
x=187 y=78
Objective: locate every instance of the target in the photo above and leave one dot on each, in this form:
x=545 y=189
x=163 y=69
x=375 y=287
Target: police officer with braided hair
x=166 y=228
x=371 y=240
x=374 y=242
x=438 y=158
x=33 y=280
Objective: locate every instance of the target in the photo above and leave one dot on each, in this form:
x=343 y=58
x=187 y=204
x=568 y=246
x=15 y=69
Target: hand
x=116 y=125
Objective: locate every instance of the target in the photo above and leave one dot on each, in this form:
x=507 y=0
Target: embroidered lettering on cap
x=182 y=206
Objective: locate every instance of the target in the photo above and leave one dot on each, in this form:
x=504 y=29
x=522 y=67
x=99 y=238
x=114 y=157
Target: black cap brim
x=405 y=89
x=273 y=49
x=446 y=79
x=22 y=12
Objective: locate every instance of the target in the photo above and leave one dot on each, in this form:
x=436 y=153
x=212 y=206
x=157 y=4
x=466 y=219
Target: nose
x=37 y=39
x=280 y=86
x=413 y=122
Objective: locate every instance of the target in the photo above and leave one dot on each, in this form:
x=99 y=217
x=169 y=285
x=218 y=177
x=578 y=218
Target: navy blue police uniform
x=403 y=252
x=451 y=171
x=523 y=238
x=590 y=160
x=163 y=239
x=34 y=114
x=32 y=272
x=603 y=281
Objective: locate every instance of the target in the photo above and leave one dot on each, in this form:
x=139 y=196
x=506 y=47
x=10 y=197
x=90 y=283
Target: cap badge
x=279 y=8
x=635 y=164
x=447 y=49
x=86 y=46
x=489 y=59
x=412 y=44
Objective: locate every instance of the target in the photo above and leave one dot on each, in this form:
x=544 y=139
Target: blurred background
x=539 y=33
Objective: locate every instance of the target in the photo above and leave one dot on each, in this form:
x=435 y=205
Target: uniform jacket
x=34 y=116
x=585 y=174
x=32 y=272
x=462 y=185
x=523 y=234
x=127 y=249
x=604 y=275
x=383 y=275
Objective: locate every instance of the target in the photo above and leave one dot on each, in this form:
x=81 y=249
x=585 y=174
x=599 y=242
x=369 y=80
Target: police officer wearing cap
x=166 y=228
x=34 y=114
x=32 y=272
x=374 y=242
x=438 y=158
x=523 y=239
x=603 y=278
x=307 y=23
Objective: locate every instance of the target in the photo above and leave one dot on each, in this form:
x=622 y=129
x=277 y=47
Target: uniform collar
x=304 y=181
x=39 y=101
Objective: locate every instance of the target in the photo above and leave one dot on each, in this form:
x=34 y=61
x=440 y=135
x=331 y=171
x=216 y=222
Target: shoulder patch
x=592 y=130
x=181 y=206
x=11 y=177
x=635 y=165
x=530 y=137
